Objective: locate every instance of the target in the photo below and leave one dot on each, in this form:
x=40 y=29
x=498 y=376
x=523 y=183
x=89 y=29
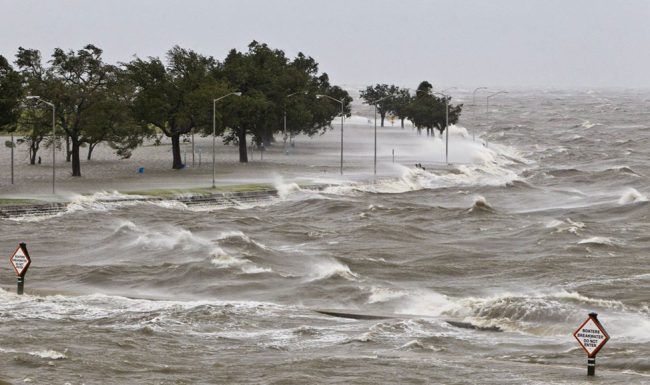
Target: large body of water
x=527 y=235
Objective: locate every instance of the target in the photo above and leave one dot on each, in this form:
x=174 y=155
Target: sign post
x=591 y=335
x=20 y=261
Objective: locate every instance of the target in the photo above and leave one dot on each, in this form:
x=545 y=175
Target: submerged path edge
x=226 y=198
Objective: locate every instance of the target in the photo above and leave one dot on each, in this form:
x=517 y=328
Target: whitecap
x=384 y=294
x=328 y=268
x=631 y=196
x=602 y=241
x=49 y=354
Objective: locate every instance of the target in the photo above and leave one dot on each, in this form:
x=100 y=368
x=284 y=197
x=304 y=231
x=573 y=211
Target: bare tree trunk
x=383 y=116
x=241 y=138
x=91 y=147
x=402 y=119
x=76 y=162
x=33 y=149
x=176 y=151
x=68 y=152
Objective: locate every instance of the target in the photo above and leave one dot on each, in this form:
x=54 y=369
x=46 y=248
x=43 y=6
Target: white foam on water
x=546 y=313
x=100 y=306
x=425 y=302
x=240 y=235
x=588 y=124
x=566 y=225
x=480 y=204
x=283 y=188
x=49 y=354
x=254 y=269
x=631 y=196
x=602 y=241
x=327 y=268
x=222 y=259
x=380 y=294
x=168 y=237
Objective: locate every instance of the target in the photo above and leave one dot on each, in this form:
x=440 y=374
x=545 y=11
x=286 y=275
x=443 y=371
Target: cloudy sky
x=540 y=43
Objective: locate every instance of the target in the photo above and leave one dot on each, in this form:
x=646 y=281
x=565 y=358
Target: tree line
x=122 y=104
x=425 y=109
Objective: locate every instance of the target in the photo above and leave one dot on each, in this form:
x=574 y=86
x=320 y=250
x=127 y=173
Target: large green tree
x=380 y=95
x=73 y=82
x=175 y=97
x=272 y=84
x=11 y=93
x=399 y=104
x=305 y=113
x=427 y=109
x=36 y=125
x=110 y=119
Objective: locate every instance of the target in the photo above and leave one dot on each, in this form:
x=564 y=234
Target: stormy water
x=477 y=272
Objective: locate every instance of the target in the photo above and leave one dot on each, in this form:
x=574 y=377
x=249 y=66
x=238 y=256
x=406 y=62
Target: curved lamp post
x=446 y=97
x=342 y=114
x=286 y=151
x=214 y=133
x=375 y=104
x=487 y=106
x=38 y=98
x=474 y=105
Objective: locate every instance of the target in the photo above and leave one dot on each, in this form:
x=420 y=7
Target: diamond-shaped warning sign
x=20 y=260
x=591 y=335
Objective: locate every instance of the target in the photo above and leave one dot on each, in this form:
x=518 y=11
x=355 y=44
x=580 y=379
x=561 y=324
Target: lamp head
x=30 y=97
x=237 y=93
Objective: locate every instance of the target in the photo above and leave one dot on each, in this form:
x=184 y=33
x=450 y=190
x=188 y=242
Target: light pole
x=375 y=104
x=342 y=113
x=286 y=151
x=487 y=106
x=474 y=105
x=214 y=134
x=37 y=98
x=446 y=124
x=446 y=97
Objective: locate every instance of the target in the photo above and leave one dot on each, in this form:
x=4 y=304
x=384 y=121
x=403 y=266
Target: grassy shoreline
x=200 y=191
x=164 y=193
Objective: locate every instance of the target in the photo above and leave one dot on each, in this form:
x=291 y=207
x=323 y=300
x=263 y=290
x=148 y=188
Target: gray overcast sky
x=549 y=43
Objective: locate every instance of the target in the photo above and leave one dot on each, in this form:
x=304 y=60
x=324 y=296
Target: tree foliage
x=110 y=118
x=399 y=104
x=266 y=78
x=11 y=92
x=174 y=97
x=427 y=110
x=122 y=104
x=381 y=96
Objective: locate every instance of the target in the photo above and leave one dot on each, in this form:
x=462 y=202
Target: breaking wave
x=632 y=196
x=329 y=268
x=481 y=205
x=599 y=241
x=567 y=225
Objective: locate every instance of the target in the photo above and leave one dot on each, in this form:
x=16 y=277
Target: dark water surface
x=546 y=224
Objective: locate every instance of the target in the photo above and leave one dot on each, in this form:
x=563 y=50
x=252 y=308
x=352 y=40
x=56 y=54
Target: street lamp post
x=214 y=134
x=37 y=98
x=286 y=150
x=474 y=106
x=375 y=104
x=487 y=106
x=446 y=97
x=342 y=113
